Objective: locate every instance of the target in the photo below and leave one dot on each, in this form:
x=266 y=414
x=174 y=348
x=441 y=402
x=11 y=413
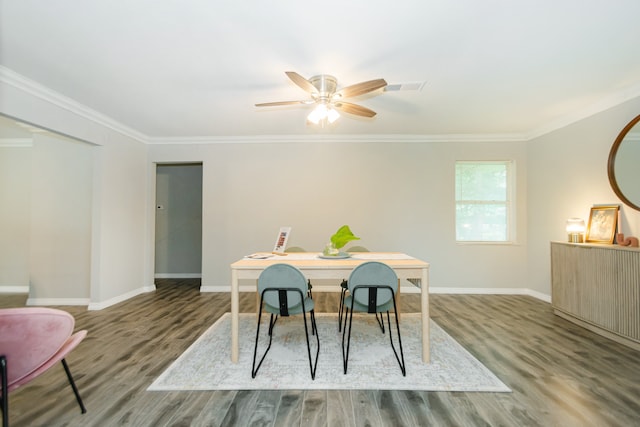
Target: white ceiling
x=195 y=68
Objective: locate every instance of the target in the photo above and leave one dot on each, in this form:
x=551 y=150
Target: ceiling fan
x=322 y=89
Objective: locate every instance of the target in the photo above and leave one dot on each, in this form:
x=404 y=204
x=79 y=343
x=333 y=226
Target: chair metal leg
x=5 y=392
x=380 y=321
x=73 y=386
x=343 y=294
x=309 y=293
x=312 y=366
x=345 y=315
x=345 y=354
x=401 y=363
x=254 y=369
x=340 y=310
x=272 y=323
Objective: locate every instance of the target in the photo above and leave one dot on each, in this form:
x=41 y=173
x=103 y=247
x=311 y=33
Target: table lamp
x=575 y=230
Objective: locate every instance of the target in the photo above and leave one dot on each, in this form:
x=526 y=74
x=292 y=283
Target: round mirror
x=624 y=164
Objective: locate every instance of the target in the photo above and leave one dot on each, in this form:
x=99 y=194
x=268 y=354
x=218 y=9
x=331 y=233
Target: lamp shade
x=575 y=230
x=323 y=112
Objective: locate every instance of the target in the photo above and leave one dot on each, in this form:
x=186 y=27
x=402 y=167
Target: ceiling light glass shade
x=332 y=115
x=322 y=112
x=318 y=113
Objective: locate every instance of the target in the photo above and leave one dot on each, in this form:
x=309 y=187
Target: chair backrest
x=357 y=249
x=282 y=276
x=30 y=336
x=373 y=273
x=292 y=249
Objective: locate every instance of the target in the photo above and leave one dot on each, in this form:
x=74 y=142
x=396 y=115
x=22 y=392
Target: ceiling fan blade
x=301 y=82
x=361 y=88
x=357 y=110
x=273 y=104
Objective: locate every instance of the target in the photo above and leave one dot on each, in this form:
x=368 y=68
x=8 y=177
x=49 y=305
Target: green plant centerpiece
x=338 y=240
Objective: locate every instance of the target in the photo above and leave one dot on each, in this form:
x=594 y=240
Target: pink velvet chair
x=32 y=339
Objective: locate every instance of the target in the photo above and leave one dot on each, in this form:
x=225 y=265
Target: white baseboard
x=222 y=288
x=120 y=298
x=178 y=276
x=14 y=289
x=57 y=301
x=491 y=291
x=538 y=295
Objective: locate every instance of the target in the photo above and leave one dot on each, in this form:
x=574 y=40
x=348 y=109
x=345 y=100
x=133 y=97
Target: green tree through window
x=483 y=201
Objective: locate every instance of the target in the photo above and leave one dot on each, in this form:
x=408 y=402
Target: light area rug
x=206 y=364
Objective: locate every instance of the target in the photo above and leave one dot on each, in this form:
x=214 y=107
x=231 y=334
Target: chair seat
x=372 y=282
x=285 y=291
x=71 y=343
x=32 y=340
x=30 y=337
x=364 y=308
x=308 y=305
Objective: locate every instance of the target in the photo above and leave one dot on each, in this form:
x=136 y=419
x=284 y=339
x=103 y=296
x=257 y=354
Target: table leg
x=424 y=292
x=235 y=316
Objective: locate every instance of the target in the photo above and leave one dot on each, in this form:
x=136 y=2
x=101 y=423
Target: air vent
x=404 y=86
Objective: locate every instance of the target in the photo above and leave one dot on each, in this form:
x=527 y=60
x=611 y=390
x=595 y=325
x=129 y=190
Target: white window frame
x=509 y=202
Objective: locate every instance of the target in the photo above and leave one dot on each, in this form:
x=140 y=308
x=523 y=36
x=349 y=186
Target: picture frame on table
x=603 y=222
x=281 y=240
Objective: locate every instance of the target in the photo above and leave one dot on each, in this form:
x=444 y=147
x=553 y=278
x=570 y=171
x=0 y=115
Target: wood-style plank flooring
x=560 y=374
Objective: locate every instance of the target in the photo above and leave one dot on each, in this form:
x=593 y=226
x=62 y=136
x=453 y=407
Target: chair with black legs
x=372 y=287
x=345 y=288
x=298 y=249
x=32 y=340
x=283 y=292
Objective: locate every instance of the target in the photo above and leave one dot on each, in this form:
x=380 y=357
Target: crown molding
x=40 y=91
x=16 y=142
x=387 y=138
x=31 y=87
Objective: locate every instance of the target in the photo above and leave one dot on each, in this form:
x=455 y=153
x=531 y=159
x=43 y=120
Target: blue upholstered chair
x=372 y=287
x=345 y=288
x=298 y=249
x=283 y=292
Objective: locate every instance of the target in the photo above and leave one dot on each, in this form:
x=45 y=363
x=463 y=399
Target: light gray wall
x=178 y=242
x=396 y=196
x=567 y=176
x=121 y=260
x=46 y=192
x=60 y=212
x=15 y=217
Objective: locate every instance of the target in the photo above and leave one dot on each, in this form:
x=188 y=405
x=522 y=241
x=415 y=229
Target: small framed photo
x=603 y=221
x=281 y=241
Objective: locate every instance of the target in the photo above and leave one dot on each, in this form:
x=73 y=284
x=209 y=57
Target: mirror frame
x=612 y=161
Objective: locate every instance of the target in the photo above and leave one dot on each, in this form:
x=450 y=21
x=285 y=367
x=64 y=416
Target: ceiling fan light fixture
x=322 y=90
x=317 y=114
x=323 y=112
x=332 y=115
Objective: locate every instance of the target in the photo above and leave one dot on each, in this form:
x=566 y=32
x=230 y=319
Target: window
x=483 y=201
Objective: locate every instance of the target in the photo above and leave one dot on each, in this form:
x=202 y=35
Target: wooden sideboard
x=598 y=287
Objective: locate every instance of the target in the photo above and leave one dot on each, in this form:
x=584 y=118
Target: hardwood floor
x=560 y=374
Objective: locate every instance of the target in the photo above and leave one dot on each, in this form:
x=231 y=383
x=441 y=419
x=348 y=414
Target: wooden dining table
x=314 y=266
